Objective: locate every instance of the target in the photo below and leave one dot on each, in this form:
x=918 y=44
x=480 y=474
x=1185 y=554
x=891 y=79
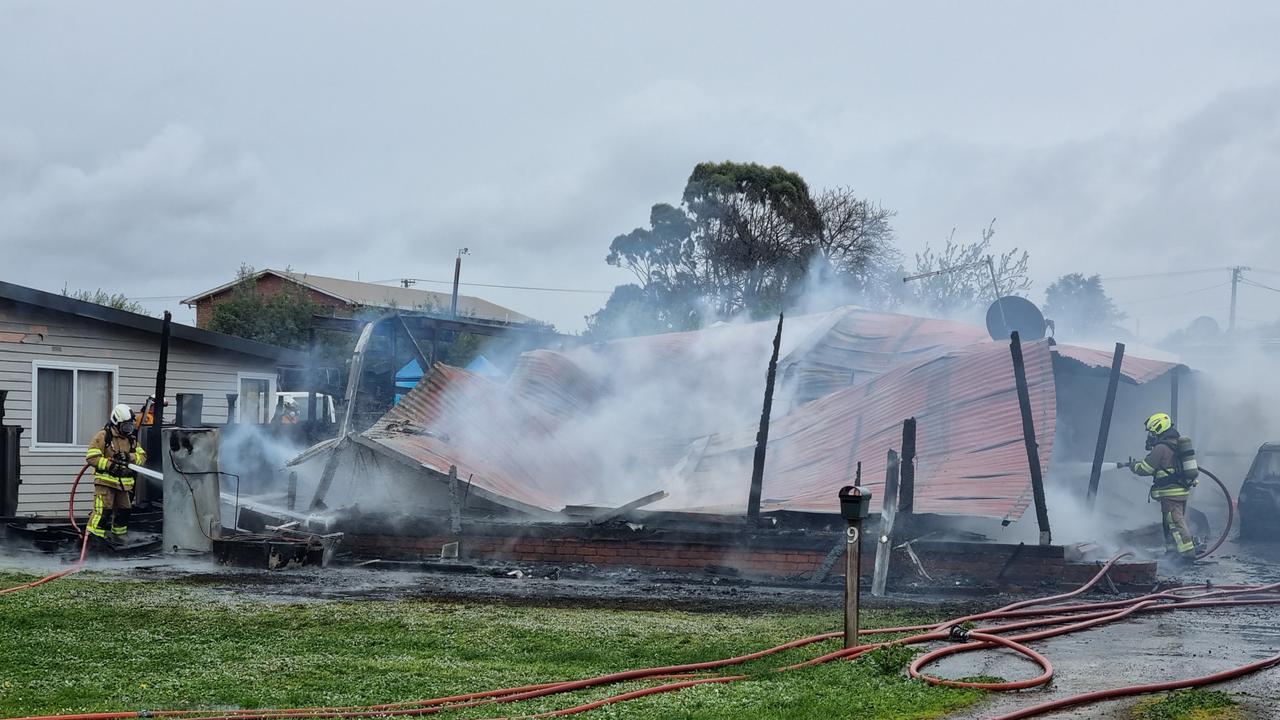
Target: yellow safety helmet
x=1159 y=423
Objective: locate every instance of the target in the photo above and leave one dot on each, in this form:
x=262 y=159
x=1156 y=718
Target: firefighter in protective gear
x=109 y=454
x=1169 y=484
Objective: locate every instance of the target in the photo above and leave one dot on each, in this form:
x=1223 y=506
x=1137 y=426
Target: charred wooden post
x=762 y=436
x=1104 y=429
x=154 y=458
x=455 y=502
x=291 y=496
x=888 y=514
x=1029 y=438
x=907 y=484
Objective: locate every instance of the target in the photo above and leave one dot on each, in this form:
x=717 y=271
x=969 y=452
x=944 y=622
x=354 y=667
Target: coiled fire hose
x=1053 y=616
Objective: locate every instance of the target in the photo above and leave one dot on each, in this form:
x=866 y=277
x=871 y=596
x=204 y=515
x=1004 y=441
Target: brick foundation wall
x=980 y=564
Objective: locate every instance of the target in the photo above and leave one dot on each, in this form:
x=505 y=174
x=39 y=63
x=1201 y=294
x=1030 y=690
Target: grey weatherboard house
x=65 y=363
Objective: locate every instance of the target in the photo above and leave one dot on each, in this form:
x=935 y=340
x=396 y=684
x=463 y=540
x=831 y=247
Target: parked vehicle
x=1260 y=496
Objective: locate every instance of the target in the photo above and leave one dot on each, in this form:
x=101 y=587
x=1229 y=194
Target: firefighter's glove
x=120 y=470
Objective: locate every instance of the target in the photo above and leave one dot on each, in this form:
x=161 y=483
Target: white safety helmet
x=121 y=414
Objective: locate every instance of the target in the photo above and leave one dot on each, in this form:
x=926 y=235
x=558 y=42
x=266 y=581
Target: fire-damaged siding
x=30 y=335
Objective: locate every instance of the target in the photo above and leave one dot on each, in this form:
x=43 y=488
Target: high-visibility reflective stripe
x=1169 y=492
x=113 y=481
x=92 y=453
x=1182 y=543
x=119 y=530
x=95 y=518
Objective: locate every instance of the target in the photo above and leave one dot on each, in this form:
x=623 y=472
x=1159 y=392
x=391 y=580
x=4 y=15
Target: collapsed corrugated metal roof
x=1135 y=369
x=565 y=428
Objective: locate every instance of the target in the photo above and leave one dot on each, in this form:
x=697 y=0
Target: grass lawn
x=1189 y=705
x=91 y=644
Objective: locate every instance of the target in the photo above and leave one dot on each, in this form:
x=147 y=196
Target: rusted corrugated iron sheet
x=516 y=440
x=1135 y=369
x=972 y=460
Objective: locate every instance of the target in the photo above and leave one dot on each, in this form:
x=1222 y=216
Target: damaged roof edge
x=1134 y=371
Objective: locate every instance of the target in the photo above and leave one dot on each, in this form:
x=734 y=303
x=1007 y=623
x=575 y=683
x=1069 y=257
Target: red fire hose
x=1231 y=515
x=84 y=545
x=1049 y=613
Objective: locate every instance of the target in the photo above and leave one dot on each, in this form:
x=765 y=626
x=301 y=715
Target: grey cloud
x=173 y=192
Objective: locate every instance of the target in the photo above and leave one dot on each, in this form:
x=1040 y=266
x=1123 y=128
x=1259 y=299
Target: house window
x=257 y=398
x=71 y=403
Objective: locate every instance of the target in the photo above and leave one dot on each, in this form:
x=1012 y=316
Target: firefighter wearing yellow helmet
x=110 y=453
x=1171 y=465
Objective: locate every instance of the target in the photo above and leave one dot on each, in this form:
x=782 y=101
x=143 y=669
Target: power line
x=1177 y=294
x=1144 y=276
x=1257 y=284
x=506 y=287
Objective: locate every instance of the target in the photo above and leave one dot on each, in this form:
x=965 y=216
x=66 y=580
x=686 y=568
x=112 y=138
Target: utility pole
x=457 y=271
x=1235 y=282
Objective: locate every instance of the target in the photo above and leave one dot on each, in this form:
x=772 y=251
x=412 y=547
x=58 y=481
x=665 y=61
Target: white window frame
x=36 y=367
x=271 y=393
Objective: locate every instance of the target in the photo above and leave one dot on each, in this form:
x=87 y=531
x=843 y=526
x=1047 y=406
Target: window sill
x=59 y=450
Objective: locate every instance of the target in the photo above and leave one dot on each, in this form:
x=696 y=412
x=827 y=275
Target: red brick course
x=972 y=563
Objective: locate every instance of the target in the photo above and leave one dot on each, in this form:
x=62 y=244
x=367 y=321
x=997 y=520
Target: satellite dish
x=1012 y=313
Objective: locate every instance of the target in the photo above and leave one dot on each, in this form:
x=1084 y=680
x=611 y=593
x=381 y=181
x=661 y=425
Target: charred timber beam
x=610 y=513
x=455 y=503
x=888 y=515
x=1029 y=438
x=157 y=408
x=906 y=495
x=1104 y=428
x=762 y=436
x=422 y=358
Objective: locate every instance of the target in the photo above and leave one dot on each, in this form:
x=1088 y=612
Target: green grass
x=1188 y=705
x=86 y=644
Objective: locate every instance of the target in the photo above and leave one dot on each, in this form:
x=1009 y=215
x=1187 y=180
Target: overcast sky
x=150 y=148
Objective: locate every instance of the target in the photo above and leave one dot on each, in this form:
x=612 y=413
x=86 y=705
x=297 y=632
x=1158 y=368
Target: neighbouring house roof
x=846 y=381
x=103 y=313
x=374 y=295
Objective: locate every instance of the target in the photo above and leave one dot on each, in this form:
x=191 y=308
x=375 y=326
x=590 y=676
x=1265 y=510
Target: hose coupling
x=958 y=634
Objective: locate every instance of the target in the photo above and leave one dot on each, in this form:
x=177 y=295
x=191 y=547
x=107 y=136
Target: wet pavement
x=1151 y=648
